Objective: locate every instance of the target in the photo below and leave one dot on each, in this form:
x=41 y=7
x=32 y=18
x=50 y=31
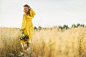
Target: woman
x=27 y=25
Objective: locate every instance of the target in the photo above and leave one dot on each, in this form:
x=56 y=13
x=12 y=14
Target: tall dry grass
x=46 y=43
x=9 y=41
x=54 y=43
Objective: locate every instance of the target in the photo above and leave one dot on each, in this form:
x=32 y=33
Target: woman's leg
x=27 y=44
x=25 y=49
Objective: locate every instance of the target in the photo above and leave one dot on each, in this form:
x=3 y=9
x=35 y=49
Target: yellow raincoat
x=27 y=25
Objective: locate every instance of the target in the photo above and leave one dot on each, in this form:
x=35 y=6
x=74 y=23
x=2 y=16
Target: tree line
x=62 y=27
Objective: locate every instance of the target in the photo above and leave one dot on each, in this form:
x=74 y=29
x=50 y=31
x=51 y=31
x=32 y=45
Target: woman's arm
x=23 y=22
x=32 y=13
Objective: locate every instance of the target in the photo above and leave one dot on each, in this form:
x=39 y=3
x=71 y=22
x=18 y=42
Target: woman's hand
x=29 y=7
x=22 y=31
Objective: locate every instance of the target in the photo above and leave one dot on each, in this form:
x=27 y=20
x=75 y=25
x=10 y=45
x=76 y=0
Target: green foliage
x=74 y=26
x=39 y=28
x=24 y=37
x=78 y=24
x=61 y=27
x=35 y=28
x=65 y=26
x=82 y=25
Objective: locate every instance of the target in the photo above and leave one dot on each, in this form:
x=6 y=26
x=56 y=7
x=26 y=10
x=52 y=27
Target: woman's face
x=26 y=9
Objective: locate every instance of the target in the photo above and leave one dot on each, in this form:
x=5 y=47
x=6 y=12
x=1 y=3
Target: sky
x=49 y=13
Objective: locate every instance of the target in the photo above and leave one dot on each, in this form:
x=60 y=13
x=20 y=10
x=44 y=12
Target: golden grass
x=46 y=43
x=53 y=43
x=9 y=41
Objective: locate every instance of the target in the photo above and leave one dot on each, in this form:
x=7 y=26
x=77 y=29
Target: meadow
x=46 y=42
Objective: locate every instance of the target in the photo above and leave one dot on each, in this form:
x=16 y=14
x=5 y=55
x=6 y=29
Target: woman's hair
x=28 y=10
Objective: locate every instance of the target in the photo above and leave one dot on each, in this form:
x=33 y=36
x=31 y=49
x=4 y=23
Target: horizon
x=47 y=27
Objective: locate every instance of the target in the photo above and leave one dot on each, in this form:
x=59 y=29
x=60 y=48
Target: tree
x=65 y=26
x=39 y=27
x=82 y=25
x=60 y=27
x=35 y=28
x=74 y=26
x=78 y=24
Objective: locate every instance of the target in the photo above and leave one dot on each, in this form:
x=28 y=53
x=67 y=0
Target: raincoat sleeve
x=32 y=13
x=23 y=22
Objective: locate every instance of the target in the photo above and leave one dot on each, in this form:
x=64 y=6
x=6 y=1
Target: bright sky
x=48 y=12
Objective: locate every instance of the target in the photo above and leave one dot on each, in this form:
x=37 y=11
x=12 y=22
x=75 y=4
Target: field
x=45 y=43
